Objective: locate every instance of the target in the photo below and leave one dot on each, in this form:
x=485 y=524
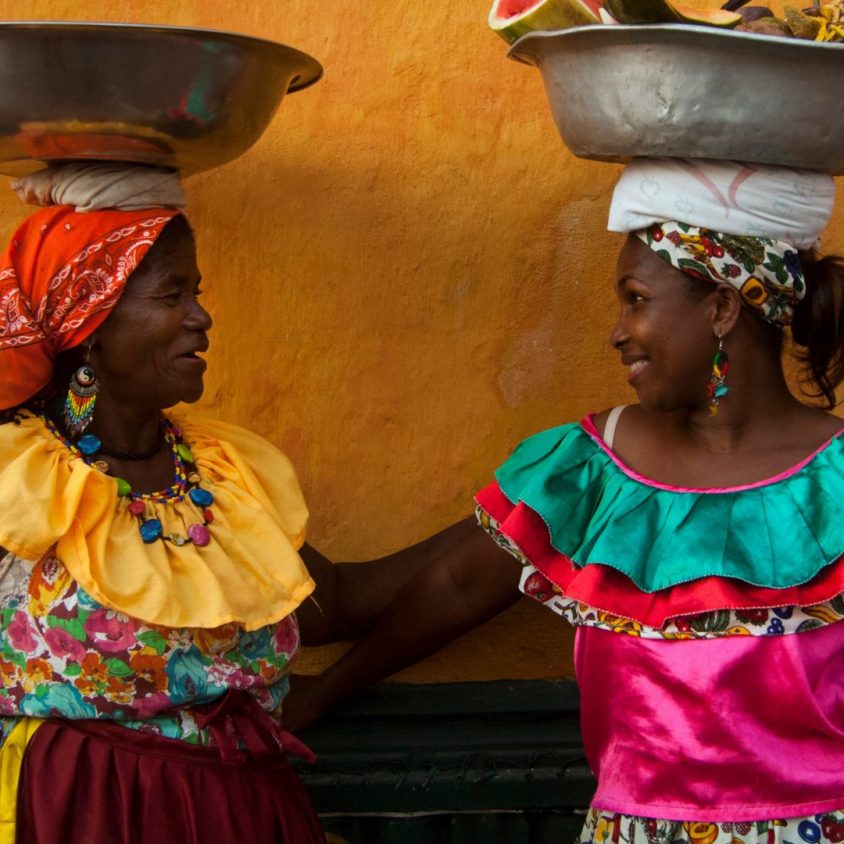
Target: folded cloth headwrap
x=728 y=222
x=97 y=185
x=750 y=200
x=60 y=276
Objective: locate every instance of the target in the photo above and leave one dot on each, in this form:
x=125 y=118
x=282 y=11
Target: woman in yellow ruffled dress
x=150 y=564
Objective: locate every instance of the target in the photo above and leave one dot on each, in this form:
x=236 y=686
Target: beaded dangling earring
x=718 y=380
x=81 y=398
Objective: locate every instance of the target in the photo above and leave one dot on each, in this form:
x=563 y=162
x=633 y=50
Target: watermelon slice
x=511 y=19
x=667 y=11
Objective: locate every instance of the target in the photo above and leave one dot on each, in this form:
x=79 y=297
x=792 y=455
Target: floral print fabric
x=64 y=654
x=756 y=621
x=766 y=272
x=605 y=827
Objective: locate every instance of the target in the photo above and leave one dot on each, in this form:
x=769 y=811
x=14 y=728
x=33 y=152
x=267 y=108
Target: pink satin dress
x=712 y=708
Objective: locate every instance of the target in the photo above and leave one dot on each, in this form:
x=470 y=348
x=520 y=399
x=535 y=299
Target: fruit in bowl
x=511 y=19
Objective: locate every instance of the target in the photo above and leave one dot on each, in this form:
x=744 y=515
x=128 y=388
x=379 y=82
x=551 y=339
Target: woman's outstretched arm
x=350 y=597
x=405 y=607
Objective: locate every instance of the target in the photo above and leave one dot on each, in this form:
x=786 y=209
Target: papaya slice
x=512 y=19
x=667 y=11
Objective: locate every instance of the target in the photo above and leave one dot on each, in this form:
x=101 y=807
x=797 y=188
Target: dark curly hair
x=818 y=326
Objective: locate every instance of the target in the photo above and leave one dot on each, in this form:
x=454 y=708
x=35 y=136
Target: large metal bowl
x=692 y=91
x=169 y=96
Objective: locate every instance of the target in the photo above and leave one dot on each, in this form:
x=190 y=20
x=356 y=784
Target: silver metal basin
x=174 y=97
x=692 y=91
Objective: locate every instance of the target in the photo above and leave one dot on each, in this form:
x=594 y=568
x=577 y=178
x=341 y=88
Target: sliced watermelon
x=512 y=19
x=667 y=11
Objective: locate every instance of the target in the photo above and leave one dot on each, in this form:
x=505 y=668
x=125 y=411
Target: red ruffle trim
x=608 y=590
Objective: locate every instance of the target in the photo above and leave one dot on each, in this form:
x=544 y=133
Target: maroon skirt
x=95 y=782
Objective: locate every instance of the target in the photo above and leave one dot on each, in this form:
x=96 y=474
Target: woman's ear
x=727 y=309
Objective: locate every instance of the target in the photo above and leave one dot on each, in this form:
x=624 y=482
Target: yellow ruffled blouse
x=250 y=573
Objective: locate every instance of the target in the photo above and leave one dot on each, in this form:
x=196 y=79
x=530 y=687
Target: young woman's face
x=146 y=352
x=665 y=336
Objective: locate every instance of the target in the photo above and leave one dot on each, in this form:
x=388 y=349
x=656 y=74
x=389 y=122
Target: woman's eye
x=175 y=297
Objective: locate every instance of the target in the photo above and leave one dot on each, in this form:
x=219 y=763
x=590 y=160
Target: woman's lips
x=635 y=368
x=193 y=360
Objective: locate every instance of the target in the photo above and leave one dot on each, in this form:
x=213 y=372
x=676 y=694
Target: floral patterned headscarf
x=766 y=272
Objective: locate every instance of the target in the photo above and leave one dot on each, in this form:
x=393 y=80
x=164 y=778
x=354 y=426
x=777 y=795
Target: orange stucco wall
x=408 y=274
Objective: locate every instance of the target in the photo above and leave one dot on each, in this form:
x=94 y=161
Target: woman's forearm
x=464 y=586
x=366 y=590
x=351 y=597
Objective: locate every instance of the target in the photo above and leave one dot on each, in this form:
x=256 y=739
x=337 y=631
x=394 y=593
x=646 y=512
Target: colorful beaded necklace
x=185 y=486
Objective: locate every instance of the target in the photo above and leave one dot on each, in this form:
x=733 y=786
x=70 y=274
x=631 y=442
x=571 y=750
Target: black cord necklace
x=107 y=451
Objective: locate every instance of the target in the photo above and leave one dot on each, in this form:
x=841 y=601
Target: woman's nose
x=619 y=335
x=198 y=318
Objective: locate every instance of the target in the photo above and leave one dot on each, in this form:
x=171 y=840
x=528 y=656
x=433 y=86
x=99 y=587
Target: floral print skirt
x=607 y=827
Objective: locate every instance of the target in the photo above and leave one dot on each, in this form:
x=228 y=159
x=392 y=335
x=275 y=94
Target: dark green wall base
x=482 y=762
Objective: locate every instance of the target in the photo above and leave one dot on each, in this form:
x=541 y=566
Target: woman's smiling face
x=146 y=353
x=664 y=333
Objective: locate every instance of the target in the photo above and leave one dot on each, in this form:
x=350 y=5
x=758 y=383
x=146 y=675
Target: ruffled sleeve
x=250 y=573
x=628 y=546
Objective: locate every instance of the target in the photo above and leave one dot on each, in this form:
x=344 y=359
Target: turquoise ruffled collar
x=775 y=534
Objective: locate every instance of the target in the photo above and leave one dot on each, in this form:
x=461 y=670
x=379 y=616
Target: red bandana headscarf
x=60 y=276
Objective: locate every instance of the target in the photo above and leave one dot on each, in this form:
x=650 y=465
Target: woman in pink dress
x=695 y=539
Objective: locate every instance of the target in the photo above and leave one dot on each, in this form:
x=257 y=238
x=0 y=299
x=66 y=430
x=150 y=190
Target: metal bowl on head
x=189 y=99
x=692 y=92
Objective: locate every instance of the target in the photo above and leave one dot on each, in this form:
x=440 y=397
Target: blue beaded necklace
x=186 y=480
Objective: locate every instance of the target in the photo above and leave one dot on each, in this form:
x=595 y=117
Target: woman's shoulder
x=626 y=424
x=238 y=458
x=606 y=422
x=28 y=443
x=207 y=435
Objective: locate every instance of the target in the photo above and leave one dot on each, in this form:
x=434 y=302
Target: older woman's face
x=665 y=336
x=146 y=353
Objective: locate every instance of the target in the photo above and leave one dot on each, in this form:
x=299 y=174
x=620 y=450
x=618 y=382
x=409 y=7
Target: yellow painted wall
x=408 y=274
